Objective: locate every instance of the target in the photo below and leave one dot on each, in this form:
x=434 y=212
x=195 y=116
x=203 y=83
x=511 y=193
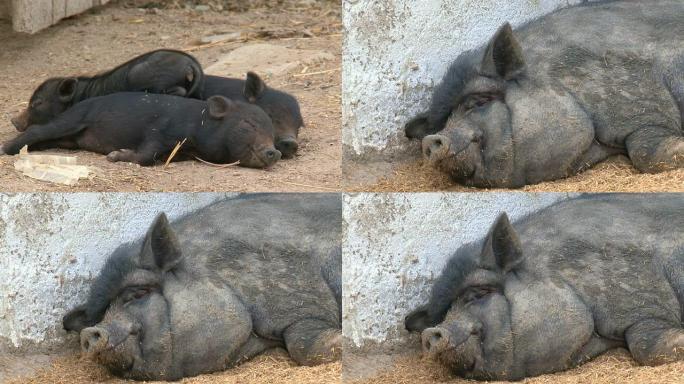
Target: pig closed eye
x=36 y=103
x=479 y=100
x=136 y=294
x=476 y=294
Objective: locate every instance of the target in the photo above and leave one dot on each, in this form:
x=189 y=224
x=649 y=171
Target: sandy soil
x=613 y=175
x=105 y=37
x=611 y=368
x=273 y=367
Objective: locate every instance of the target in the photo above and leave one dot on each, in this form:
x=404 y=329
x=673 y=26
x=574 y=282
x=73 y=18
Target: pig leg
x=65 y=143
x=596 y=153
x=596 y=346
x=655 y=149
x=654 y=342
x=40 y=133
x=254 y=346
x=313 y=341
x=146 y=155
x=176 y=91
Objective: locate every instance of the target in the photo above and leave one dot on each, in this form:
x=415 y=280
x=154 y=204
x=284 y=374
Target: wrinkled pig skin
x=560 y=94
x=219 y=286
x=561 y=286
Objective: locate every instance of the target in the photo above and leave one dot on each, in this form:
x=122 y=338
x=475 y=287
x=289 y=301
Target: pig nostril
x=435 y=338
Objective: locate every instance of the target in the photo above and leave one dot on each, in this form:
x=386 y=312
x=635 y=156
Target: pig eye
x=478 y=293
x=136 y=293
x=36 y=103
x=479 y=100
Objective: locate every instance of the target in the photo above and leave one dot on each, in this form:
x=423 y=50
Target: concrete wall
x=53 y=244
x=33 y=15
x=396 y=51
x=395 y=245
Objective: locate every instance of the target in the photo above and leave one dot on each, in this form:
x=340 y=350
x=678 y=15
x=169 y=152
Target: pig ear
x=254 y=87
x=67 y=89
x=502 y=250
x=219 y=106
x=418 y=127
x=418 y=320
x=161 y=249
x=503 y=57
x=76 y=319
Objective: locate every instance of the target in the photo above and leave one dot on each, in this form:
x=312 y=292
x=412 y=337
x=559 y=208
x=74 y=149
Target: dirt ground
x=273 y=367
x=615 y=367
x=107 y=36
x=613 y=175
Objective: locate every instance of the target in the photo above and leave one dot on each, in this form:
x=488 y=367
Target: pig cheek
x=154 y=342
x=211 y=330
x=496 y=338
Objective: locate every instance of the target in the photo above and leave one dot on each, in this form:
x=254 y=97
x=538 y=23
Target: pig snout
x=20 y=121
x=270 y=156
x=435 y=340
x=436 y=147
x=287 y=147
x=94 y=340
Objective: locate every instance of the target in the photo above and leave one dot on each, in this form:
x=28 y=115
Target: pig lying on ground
x=144 y=128
x=280 y=106
x=560 y=287
x=218 y=287
x=163 y=71
x=561 y=94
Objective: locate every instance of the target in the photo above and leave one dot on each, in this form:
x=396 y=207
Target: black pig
x=280 y=106
x=144 y=128
x=561 y=94
x=557 y=288
x=162 y=71
x=219 y=286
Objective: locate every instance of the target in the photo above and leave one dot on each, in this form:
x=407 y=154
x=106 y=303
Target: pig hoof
x=119 y=155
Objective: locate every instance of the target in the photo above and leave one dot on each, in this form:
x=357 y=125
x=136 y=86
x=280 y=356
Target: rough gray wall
x=53 y=244
x=396 y=51
x=395 y=245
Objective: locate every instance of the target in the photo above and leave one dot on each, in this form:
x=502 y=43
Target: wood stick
x=310 y=186
x=315 y=73
x=175 y=150
x=218 y=165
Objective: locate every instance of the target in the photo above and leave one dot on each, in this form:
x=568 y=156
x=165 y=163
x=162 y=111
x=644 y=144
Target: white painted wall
x=53 y=244
x=396 y=51
x=395 y=245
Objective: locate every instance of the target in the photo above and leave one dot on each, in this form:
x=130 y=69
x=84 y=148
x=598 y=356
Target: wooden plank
x=31 y=16
x=34 y=15
x=74 y=7
x=58 y=10
x=4 y=9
